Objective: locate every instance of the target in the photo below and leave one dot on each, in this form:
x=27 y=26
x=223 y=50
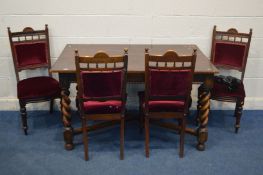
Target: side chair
x=168 y=85
x=229 y=52
x=101 y=81
x=30 y=50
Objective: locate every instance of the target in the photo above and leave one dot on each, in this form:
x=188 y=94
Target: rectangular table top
x=66 y=61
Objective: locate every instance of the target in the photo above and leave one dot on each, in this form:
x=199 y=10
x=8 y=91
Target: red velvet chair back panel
x=169 y=82
x=229 y=54
x=30 y=54
x=102 y=84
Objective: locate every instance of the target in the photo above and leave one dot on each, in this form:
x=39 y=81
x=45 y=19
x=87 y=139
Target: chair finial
x=76 y=52
x=146 y=50
x=126 y=51
x=195 y=50
x=214 y=29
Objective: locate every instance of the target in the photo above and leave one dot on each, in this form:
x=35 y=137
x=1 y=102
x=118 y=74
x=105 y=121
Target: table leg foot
x=68 y=138
x=200 y=147
x=202 y=138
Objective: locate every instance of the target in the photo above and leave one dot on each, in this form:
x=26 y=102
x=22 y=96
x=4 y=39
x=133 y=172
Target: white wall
x=133 y=21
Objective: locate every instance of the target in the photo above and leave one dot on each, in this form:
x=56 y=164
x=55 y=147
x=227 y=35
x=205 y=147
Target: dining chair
x=101 y=81
x=168 y=85
x=229 y=52
x=30 y=51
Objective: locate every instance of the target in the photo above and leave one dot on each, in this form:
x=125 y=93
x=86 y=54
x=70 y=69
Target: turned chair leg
x=122 y=139
x=190 y=103
x=23 y=114
x=85 y=138
x=147 y=136
x=76 y=99
x=182 y=133
x=141 y=119
x=51 y=106
x=238 y=114
x=180 y=123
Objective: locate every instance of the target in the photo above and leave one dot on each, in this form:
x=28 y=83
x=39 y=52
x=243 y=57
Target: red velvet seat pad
x=29 y=54
x=169 y=82
x=162 y=106
x=220 y=90
x=38 y=87
x=101 y=84
x=229 y=54
x=106 y=107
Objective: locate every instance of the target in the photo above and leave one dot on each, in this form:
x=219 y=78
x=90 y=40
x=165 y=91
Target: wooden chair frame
x=232 y=36
x=170 y=57
x=101 y=62
x=29 y=35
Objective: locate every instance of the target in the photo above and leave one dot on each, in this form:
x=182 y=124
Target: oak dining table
x=203 y=75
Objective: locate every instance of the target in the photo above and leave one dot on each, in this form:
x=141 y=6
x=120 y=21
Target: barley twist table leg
x=65 y=109
x=65 y=80
x=203 y=111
